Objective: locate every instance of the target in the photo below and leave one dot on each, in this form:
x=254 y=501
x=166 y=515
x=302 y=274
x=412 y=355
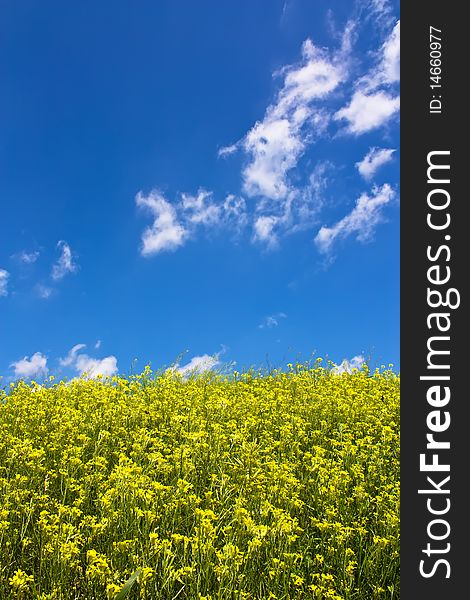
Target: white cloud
x=285 y=9
x=4 y=277
x=373 y=160
x=378 y=13
x=299 y=211
x=36 y=366
x=234 y=212
x=65 y=263
x=44 y=291
x=165 y=233
x=199 y=364
x=368 y=111
x=272 y=320
x=234 y=216
x=301 y=113
x=274 y=147
x=390 y=68
x=316 y=77
x=264 y=230
x=309 y=200
x=227 y=150
x=93 y=367
x=310 y=104
x=347 y=366
x=175 y=223
x=200 y=210
x=98 y=344
x=361 y=221
x=27 y=257
x=275 y=144
x=318 y=179
x=385 y=72
x=72 y=355
x=272 y=221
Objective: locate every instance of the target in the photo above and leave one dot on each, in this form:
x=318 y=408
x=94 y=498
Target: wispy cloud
x=4 y=277
x=65 y=263
x=373 y=160
x=347 y=365
x=390 y=65
x=83 y=363
x=27 y=257
x=227 y=150
x=298 y=212
x=36 y=366
x=175 y=223
x=272 y=320
x=376 y=97
x=310 y=199
x=361 y=221
x=43 y=291
x=285 y=9
x=378 y=11
x=201 y=209
x=165 y=233
x=385 y=71
x=234 y=211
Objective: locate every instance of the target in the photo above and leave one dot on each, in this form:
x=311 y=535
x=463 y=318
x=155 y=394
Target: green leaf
x=126 y=588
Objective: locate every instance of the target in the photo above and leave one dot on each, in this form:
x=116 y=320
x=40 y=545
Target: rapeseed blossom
x=251 y=486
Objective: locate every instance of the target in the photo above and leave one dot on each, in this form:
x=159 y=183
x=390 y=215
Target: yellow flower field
x=280 y=486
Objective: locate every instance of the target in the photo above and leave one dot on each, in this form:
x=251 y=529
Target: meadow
x=281 y=485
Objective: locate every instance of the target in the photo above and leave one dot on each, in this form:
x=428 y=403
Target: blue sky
x=200 y=183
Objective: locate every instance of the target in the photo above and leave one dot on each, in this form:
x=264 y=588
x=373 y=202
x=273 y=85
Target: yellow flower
x=112 y=590
x=20 y=581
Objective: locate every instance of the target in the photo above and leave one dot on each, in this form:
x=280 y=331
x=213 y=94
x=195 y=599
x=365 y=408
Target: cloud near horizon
x=199 y=364
x=26 y=368
x=347 y=365
x=93 y=367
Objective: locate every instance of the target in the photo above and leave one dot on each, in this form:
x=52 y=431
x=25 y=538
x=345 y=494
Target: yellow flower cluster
x=242 y=487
